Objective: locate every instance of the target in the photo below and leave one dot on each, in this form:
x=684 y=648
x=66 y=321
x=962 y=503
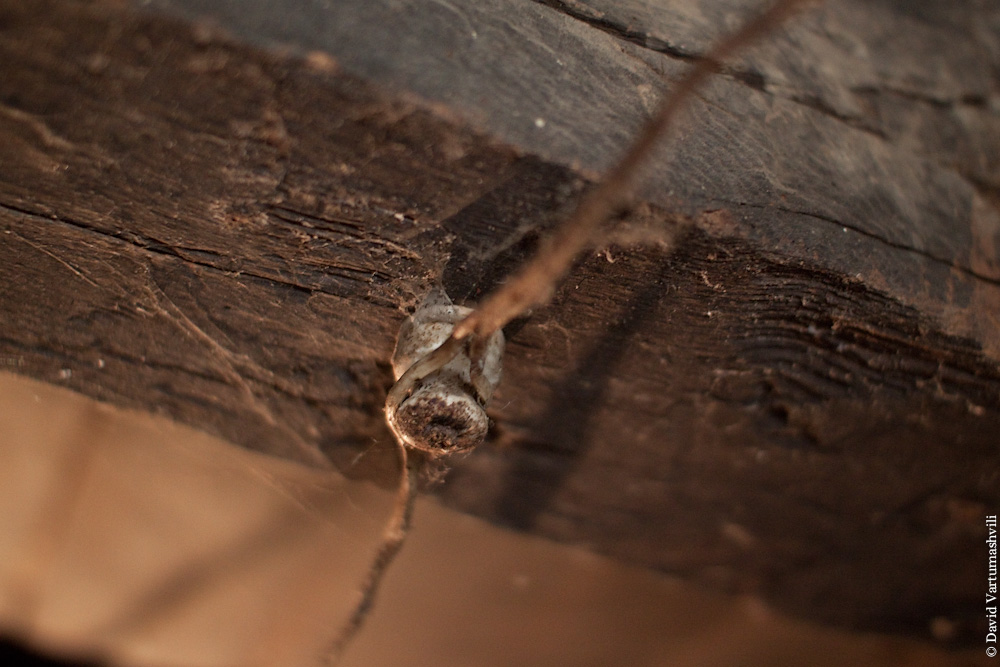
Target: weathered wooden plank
x=779 y=377
x=895 y=101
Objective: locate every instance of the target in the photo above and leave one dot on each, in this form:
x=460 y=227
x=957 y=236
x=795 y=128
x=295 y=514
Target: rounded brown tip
x=441 y=417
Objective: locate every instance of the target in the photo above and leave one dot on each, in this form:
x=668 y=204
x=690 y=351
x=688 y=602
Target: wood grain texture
x=895 y=101
x=780 y=375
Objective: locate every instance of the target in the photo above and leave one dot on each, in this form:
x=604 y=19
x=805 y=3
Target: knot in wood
x=444 y=412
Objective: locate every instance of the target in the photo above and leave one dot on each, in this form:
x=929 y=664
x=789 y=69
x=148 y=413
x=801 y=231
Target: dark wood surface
x=778 y=375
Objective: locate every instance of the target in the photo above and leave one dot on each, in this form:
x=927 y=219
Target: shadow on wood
x=779 y=377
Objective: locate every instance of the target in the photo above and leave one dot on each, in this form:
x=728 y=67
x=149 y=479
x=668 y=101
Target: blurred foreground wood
x=779 y=377
x=180 y=549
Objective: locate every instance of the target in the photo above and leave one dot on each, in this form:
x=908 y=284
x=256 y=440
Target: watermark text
x=991 y=586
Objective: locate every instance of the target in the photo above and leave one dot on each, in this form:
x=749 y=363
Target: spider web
x=131 y=539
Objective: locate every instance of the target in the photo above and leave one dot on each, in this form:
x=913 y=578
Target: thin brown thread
x=534 y=285
x=393 y=538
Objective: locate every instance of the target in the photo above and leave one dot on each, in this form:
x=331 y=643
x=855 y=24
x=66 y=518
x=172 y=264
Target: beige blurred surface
x=126 y=536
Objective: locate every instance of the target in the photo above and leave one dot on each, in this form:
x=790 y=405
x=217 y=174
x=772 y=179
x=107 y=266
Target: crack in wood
x=972 y=273
x=716 y=384
x=751 y=78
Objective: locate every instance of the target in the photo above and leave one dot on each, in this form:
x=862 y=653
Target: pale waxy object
x=444 y=412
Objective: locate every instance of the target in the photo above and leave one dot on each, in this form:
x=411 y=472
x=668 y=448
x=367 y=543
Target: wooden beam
x=778 y=375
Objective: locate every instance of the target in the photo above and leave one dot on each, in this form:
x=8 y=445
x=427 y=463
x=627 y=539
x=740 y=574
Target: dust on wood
x=232 y=236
